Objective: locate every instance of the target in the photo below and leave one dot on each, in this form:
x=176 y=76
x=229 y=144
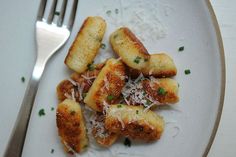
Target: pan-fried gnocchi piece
x=164 y=91
x=126 y=45
x=65 y=89
x=102 y=135
x=79 y=84
x=107 y=86
x=86 y=45
x=160 y=65
x=71 y=126
x=134 y=122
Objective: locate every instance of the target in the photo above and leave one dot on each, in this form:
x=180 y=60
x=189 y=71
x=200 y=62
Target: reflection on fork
x=50 y=37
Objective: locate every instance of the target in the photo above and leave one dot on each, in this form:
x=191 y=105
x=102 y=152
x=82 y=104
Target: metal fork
x=50 y=37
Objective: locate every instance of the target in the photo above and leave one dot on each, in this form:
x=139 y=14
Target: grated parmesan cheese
x=68 y=147
x=134 y=94
x=68 y=96
x=106 y=83
x=88 y=78
x=80 y=90
x=72 y=81
x=98 y=124
x=144 y=18
x=73 y=94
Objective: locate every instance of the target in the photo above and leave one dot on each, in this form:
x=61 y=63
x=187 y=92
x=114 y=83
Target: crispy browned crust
x=171 y=89
x=145 y=126
x=86 y=44
x=74 y=42
x=71 y=127
x=66 y=87
x=136 y=131
x=126 y=45
x=138 y=44
x=114 y=73
x=133 y=73
x=160 y=65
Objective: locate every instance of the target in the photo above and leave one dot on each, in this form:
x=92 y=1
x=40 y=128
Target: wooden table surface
x=225 y=141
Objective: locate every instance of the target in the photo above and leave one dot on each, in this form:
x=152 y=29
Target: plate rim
x=223 y=78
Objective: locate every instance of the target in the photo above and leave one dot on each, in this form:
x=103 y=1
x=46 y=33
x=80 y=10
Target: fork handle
x=17 y=138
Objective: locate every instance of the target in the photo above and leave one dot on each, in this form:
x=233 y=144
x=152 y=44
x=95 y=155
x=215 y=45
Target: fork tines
x=60 y=14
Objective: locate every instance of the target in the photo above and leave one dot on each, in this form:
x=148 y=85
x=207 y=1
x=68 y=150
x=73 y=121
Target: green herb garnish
x=137 y=60
x=52 y=108
x=41 y=112
x=161 y=91
x=136 y=111
x=181 y=48
x=187 y=71
x=145 y=59
x=23 y=79
x=91 y=66
x=148 y=102
x=127 y=142
x=110 y=97
x=119 y=106
x=117 y=11
x=103 y=46
x=84 y=95
x=115 y=36
x=52 y=151
x=57 y=13
x=108 y=12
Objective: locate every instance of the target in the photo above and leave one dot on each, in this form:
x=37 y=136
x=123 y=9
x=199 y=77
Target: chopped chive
x=110 y=97
x=23 y=79
x=108 y=12
x=178 y=85
x=52 y=151
x=148 y=102
x=119 y=106
x=181 y=48
x=161 y=91
x=52 y=108
x=137 y=60
x=91 y=67
x=136 y=111
x=103 y=46
x=117 y=11
x=57 y=13
x=115 y=36
x=84 y=95
x=187 y=71
x=41 y=112
x=127 y=142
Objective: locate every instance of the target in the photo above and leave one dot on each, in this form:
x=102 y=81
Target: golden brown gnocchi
x=134 y=122
x=71 y=126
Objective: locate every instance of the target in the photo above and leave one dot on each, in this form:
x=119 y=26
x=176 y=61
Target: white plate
x=191 y=124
